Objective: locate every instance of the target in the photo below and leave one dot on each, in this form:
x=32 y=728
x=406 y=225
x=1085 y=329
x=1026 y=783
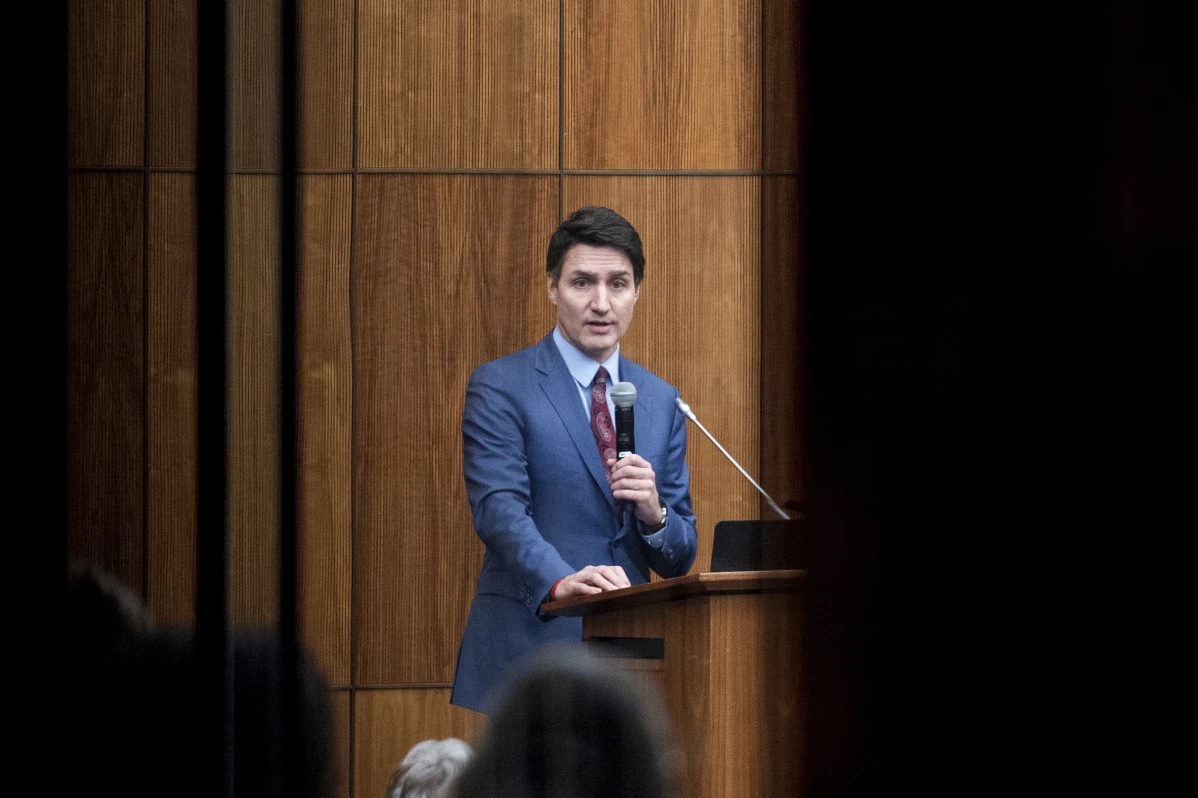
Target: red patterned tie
x=601 y=426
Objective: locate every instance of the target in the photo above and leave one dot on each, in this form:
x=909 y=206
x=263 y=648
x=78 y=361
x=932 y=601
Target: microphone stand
x=686 y=411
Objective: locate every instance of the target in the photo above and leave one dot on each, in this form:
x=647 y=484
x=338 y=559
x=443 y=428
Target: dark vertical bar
x=56 y=231
x=289 y=227
x=147 y=79
x=212 y=646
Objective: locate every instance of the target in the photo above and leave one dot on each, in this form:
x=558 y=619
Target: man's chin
x=598 y=348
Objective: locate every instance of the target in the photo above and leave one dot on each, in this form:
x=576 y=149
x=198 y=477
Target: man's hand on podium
x=590 y=580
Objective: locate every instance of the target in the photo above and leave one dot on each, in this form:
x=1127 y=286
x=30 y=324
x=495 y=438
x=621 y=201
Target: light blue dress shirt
x=583 y=369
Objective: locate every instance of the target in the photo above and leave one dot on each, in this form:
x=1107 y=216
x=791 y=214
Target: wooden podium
x=725 y=651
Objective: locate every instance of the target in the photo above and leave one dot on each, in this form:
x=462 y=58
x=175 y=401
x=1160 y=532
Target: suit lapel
x=562 y=392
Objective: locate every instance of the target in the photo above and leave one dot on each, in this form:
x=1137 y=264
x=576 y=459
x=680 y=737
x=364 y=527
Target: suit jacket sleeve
x=497 y=483
x=680 y=544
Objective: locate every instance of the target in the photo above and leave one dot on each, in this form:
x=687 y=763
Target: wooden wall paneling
x=254 y=85
x=782 y=86
x=783 y=337
x=662 y=85
x=253 y=399
x=697 y=319
x=172 y=84
x=467 y=84
x=326 y=84
x=325 y=415
x=105 y=83
x=448 y=273
x=341 y=703
x=783 y=324
x=105 y=372
x=389 y=722
x=171 y=399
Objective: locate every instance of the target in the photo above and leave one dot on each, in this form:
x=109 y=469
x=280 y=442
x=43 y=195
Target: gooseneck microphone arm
x=686 y=411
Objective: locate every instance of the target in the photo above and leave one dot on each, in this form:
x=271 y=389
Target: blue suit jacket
x=543 y=508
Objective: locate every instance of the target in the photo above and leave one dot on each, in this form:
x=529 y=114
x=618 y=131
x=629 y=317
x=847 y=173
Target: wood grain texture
x=466 y=84
x=753 y=681
x=662 y=85
x=389 y=722
x=171 y=399
x=172 y=84
x=703 y=583
x=783 y=340
x=253 y=397
x=697 y=320
x=105 y=378
x=408 y=282
x=254 y=84
x=106 y=83
x=341 y=704
x=448 y=273
x=325 y=413
x=326 y=84
x=784 y=98
x=732 y=682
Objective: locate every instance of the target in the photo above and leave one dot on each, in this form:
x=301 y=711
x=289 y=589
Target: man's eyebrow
x=591 y=273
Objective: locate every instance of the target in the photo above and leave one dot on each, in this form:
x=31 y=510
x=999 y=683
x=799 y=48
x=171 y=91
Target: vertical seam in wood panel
x=353 y=136
x=561 y=107
x=145 y=305
x=60 y=283
x=290 y=219
x=351 y=723
x=762 y=46
x=351 y=744
x=145 y=390
x=147 y=132
x=147 y=86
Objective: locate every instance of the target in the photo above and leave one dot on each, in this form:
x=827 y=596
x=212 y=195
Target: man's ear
x=551 y=284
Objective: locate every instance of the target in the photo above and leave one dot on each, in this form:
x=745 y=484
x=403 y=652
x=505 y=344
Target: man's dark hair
x=598 y=227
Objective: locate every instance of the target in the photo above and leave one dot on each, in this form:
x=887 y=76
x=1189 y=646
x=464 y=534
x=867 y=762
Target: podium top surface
x=679 y=587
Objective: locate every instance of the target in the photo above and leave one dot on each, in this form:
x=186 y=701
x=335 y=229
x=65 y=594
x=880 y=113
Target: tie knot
x=601 y=376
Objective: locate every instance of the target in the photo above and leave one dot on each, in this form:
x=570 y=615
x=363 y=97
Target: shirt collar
x=581 y=367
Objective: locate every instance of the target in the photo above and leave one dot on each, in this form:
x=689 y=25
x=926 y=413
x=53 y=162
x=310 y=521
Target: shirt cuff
x=656 y=538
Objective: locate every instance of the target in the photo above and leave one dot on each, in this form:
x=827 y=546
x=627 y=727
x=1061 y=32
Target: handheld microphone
x=686 y=411
x=623 y=395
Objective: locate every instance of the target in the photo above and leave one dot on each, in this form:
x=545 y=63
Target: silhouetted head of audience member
x=105 y=618
x=139 y=718
x=574 y=725
x=430 y=769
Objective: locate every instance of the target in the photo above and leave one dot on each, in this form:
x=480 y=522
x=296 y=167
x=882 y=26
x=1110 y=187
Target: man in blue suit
x=560 y=516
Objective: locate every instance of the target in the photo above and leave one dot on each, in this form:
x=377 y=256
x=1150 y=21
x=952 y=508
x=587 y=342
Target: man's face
x=594 y=297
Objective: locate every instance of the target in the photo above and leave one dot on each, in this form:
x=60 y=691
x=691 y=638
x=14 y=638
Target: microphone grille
x=623 y=394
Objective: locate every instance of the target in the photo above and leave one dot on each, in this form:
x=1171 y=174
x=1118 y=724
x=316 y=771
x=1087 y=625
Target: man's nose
x=601 y=300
